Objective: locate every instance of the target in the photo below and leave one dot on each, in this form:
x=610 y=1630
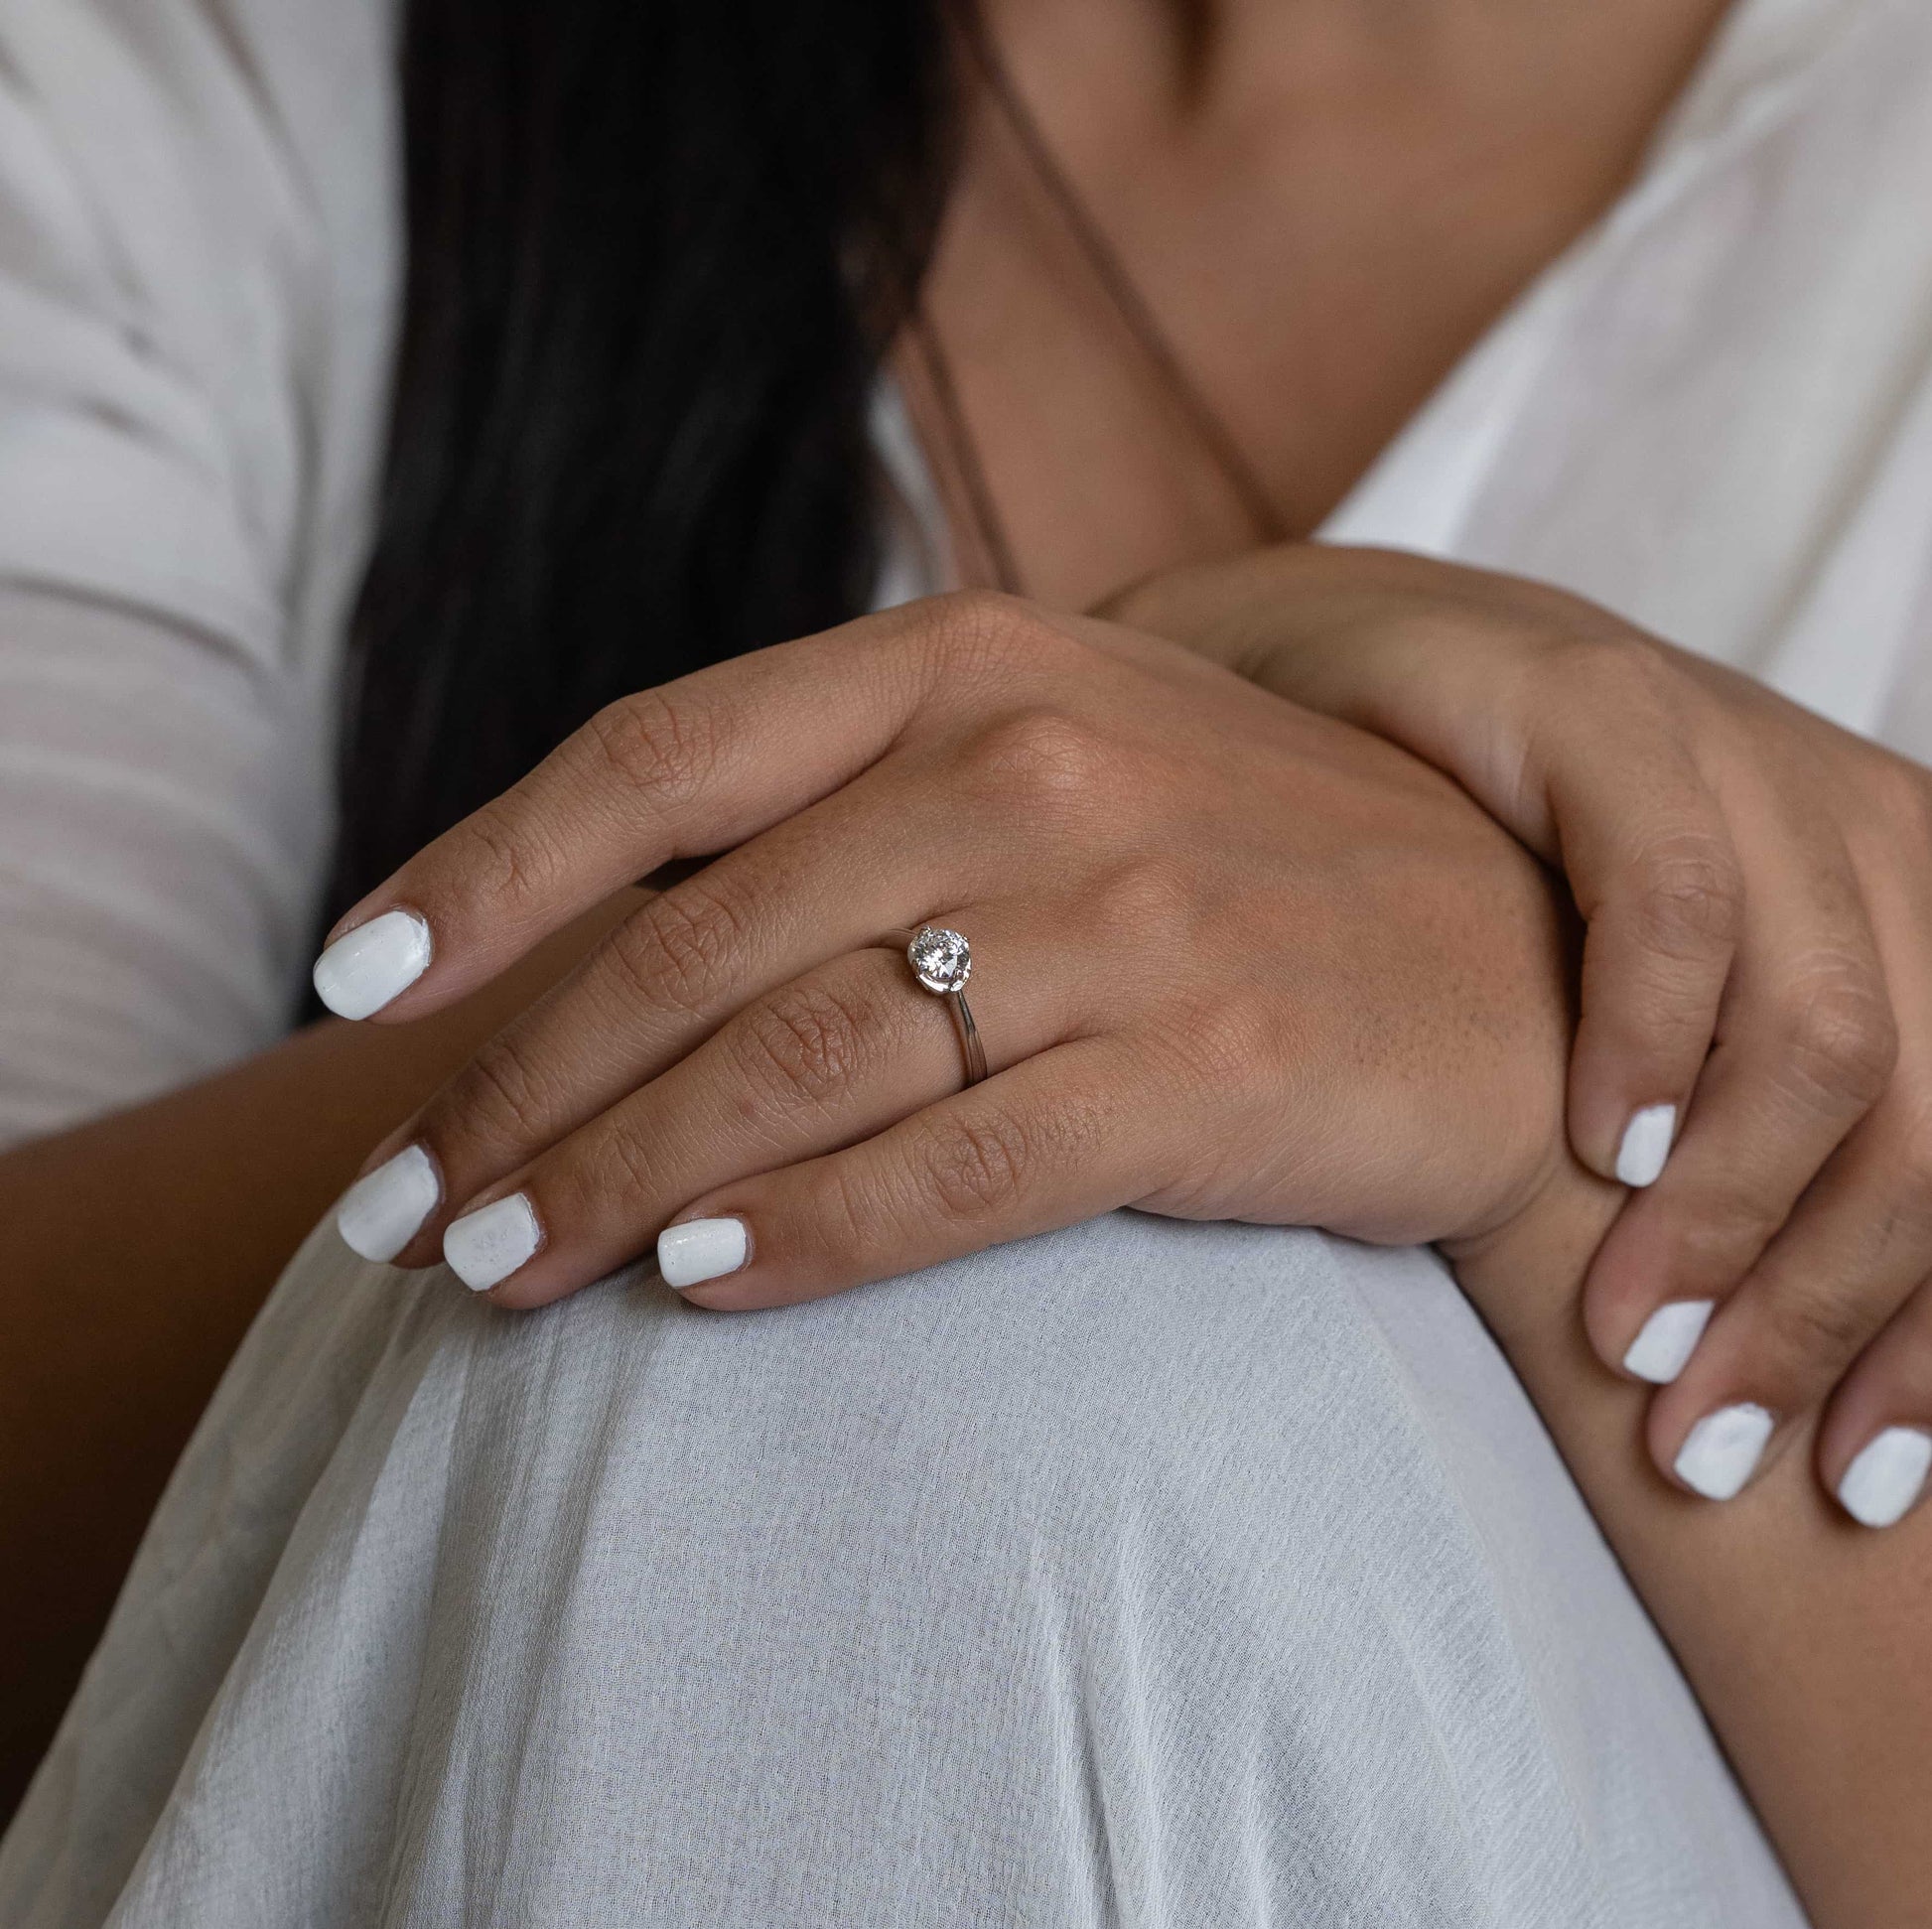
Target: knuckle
x=977 y=1167
x=1840 y=1037
x=846 y=1215
x=979 y=633
x=1689 y=898
x=680 y=947
x=1719 y=1231
x=1818 y=1329
x=653 y=742
x=619 y=1167
x=806 y=1042
x=599 y=1176
x=1041 y=756
x=500 y=1098
x=508 y=866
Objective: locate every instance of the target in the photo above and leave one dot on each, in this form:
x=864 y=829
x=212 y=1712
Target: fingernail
x=367 y=967
x=1668 y=1339
x=380 y=1213
x=1721 y=1451
x=1881 y=1485
x=1646 y=1144
x=700 y=1250
x=491 y=1243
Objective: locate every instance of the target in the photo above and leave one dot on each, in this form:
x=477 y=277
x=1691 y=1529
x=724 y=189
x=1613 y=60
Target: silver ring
x=942 y=961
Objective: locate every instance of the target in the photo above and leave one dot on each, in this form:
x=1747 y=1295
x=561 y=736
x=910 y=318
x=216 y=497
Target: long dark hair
x=654 y=250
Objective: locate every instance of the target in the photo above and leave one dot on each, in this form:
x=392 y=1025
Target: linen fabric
x=1147 y=1574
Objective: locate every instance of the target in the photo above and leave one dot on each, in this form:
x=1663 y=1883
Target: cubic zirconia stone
x=941 y=960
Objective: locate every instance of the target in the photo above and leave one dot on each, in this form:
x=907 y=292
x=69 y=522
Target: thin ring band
x=941 y=962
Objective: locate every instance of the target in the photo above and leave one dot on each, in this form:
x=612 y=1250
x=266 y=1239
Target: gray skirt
x=1144 y=1574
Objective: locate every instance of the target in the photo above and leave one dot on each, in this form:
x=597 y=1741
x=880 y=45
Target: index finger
x=685 y=769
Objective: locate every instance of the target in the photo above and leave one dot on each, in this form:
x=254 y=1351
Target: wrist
x=1525 y=1275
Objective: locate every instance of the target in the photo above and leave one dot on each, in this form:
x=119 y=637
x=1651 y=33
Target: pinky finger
x=1875 y=1449
x=1057 y=1139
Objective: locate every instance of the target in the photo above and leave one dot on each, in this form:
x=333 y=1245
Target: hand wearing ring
x=1227 y=933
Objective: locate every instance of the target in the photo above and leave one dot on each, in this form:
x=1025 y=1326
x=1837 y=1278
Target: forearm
x=1686 y=810
x=139 y=1247
x=1806 y=1638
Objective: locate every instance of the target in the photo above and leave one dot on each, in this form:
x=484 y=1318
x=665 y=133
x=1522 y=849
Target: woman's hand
x=1758 y=890
x=1231 y=960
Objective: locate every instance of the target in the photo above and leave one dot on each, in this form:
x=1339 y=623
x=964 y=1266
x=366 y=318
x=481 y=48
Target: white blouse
x=1714 y=414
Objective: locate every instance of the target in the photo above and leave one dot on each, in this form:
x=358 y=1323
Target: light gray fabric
x=199 y=266
x=1144 y=1574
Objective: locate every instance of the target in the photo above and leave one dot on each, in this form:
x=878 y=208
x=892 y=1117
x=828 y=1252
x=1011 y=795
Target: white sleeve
x=196 y=268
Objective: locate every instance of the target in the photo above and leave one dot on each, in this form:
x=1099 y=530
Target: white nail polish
x=367 y=967
x=380 y=1213
x=1668 y=1339
x=1720 y=1452
x=489 y=1244
x=700 y=1250
x=1646 y=1144
x=1881 y=1485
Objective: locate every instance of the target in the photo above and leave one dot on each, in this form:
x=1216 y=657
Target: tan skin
x=1760 y=1598
x=1324 y=203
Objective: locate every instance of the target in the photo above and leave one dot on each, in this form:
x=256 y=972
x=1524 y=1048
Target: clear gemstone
x=942 y=960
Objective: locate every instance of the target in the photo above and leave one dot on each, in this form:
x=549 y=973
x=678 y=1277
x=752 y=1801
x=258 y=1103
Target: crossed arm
x=1235 y=959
